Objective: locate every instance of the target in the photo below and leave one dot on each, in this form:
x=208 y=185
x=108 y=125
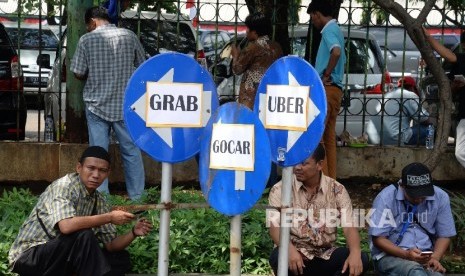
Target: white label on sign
x=174 y=104
x=286 y=107
x=232 y=147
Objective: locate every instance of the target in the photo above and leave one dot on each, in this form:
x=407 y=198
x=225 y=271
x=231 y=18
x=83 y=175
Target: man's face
x=414 y=200
x=307 y=169
x=93 y=172
x=316 y=19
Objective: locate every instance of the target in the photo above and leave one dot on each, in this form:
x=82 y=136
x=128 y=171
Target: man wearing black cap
x=63 y=233
x=411 y=225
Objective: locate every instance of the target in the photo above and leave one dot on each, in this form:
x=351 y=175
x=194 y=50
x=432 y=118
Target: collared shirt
x=314 y=225
x=65 y=198
x=393 y=120
x=389 y=214
x=108 y=55
x=253 y=61
x=331 y=36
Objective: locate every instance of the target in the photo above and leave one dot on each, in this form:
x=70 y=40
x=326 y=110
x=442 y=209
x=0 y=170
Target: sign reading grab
x=174 y=104
x=232 y=147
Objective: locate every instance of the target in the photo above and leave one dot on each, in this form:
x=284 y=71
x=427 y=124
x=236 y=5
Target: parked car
x=12 y=103
x=37 y=46
x=364 y=56
x=403 y=56
x=172 y=33
x=213 y=41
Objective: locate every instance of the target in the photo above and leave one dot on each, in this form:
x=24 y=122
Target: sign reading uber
x=286 y=107
x=232 y=147
x=174 y=104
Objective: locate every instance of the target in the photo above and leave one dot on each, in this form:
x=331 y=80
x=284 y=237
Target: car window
x=395 y=39
x=29 y=38
x=360 y=55
x=158 y=38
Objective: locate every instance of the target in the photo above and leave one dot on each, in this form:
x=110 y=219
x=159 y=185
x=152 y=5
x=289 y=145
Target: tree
x=413 y=26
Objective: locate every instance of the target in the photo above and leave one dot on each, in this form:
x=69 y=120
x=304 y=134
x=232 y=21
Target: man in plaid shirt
x=105 y=58
x=63 y=233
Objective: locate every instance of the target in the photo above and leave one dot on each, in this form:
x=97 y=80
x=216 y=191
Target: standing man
x=457 y=86
x=63 y=233
x=318 y=202
x=330 y=61
x=411 y=225
x=105 y=58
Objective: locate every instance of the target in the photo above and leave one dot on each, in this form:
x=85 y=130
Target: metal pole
x=166 y=182
x=284 y=233
x=235 y=245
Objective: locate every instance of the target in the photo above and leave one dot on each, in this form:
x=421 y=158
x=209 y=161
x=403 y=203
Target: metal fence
x=376 y=44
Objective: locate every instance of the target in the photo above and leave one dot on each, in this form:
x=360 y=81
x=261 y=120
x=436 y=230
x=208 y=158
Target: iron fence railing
x=46 y=82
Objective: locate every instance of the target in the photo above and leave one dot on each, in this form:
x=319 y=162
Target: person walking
x=105 y=59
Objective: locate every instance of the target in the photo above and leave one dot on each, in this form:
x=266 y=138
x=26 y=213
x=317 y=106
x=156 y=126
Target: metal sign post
x=291 y=104
x=168 y=101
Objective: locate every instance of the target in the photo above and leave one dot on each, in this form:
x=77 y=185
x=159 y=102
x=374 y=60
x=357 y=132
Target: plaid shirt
x=108 y=56
x=65 y=198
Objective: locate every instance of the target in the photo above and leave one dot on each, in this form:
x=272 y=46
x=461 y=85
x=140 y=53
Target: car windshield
x=395 y=39
x=29 y=38
x=158 y=38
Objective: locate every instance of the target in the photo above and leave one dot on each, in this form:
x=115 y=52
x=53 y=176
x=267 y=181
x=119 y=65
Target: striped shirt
x=65 y=198
x=108 y=55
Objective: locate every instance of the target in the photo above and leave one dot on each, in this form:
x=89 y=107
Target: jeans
x=460 y=143
x=99 y=135
x=333 y=98
x=394 y=266
x=419 y=133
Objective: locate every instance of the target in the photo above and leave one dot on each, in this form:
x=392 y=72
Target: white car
x=34 y=58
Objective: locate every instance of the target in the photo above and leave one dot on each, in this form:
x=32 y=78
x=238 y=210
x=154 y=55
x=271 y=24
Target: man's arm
x=333 y=59
x=444 y=52
x=354 y=261
x=71 y=225
x=440 y=247
x=142 y=228
x=385 y=245
x=296 y=262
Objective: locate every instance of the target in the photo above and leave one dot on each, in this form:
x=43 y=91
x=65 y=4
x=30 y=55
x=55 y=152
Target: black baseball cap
x=417 y=180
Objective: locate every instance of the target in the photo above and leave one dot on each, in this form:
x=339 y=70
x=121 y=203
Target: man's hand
x=435 y=265
x=143 y=227
x=119 y=217
x=354 y=263
x=414 y=254
x=296 y=262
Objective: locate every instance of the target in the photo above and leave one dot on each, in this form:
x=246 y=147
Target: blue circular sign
x=290 y=147
x=168 y=143
x=232 y=192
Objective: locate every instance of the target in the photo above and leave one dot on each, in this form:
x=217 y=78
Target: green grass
x=199 y=238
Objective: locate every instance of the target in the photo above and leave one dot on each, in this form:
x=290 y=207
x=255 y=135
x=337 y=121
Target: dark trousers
x=76 y=254
x=318 y=266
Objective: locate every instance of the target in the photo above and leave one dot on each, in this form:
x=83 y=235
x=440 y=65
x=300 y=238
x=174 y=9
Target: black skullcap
x=97 y=152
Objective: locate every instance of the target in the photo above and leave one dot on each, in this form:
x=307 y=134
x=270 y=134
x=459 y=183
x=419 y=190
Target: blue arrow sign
x=291 y=103
x=234 y=159
x=168 y=101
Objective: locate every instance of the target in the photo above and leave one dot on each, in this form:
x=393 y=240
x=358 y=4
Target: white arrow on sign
x=165 y=133
x=292 y=135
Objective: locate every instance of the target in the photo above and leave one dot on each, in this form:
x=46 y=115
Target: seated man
x=62 y=235
x=312 y=249
x=409 y=218
x=401 y=107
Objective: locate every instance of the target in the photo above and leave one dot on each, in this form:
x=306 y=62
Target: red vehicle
x=13 y=110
